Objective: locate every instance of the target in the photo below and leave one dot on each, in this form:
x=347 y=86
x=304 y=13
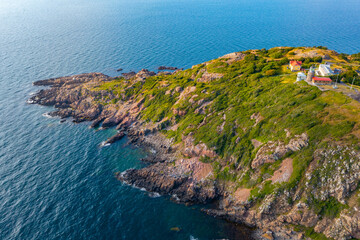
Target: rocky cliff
x=237 y=132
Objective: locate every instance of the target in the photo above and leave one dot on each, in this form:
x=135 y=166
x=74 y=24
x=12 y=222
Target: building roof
x=301 y=74
x=325 y=69
x=322 y=79
x=324 y=65
x=295 y=63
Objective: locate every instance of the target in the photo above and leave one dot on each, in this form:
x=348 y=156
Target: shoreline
x=160 y=150
x=175 y=184
x=190 y=172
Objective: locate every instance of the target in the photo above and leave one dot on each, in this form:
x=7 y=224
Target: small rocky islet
x=240 y=132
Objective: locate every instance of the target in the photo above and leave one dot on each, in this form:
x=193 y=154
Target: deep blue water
x=55 y=182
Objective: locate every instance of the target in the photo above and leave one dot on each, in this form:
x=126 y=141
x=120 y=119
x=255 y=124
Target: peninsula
x=256 y=133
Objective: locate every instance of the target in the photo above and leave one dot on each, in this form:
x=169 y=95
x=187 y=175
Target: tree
x=317 y=59
x=348 y=76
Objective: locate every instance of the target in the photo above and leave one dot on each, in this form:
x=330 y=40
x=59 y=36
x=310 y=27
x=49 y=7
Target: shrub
x=283 y=61
x=317 y=59
x=349 y=76
x=270 y=72
x=250 y=57
x=330 y=208
x=221 y=103
x=343 y=56
x=310 y=232
x=277 y=55
x=322 y=47
x=258 y=194
x=206 y=159
x=256 y=76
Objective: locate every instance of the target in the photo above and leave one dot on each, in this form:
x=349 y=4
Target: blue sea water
x=55 y=180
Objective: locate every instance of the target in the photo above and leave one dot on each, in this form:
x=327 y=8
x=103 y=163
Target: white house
x=325 y=70
x=300 y=76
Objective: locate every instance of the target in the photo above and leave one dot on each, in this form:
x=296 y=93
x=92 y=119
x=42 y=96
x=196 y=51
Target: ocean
x=56 y=182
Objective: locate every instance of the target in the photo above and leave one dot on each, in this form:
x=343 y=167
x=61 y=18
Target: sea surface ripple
x=55 y=180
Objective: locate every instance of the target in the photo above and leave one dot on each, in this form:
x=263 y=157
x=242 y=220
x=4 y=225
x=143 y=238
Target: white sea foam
x=193 y=238
x=174 y=196
x=154 y=194
x=123 y=173
x=134 y=186
x=104 y=144
x=47 y=115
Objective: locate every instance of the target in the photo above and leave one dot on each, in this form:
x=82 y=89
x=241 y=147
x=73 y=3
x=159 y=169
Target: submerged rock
x=175 y=229
x=115 y=138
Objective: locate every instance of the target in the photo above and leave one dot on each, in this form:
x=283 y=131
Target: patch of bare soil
x=284 y=172
x=242 y=194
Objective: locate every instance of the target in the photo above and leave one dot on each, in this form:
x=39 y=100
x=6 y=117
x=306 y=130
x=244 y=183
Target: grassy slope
x=260 y=83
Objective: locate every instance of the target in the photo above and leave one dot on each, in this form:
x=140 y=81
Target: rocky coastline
x=71 y=100
x=181 y=170
x=168 y=172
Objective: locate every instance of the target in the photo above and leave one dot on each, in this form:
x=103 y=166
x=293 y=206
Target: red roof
x=294 y=63
x=323 y=79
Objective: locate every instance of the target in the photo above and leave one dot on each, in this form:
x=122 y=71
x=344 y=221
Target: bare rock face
x=299 y=142
x=144 y=73
x=71 y=80
x=167 y=68
x=235 y=56
x=269 y=153
x=69 y=96
x=129 y=75
x=164 y=73
x=257 y=117
x=300 y=214
x=208 y=77
x=77 y=97
x=178 y=89
x=345 y=227
x=203 y=106
x=152 y=179
x=179 y=112
x=322 y=225
x=343 y=178
x=115 y=138
x=187 y=92
x=191 y=150
x=312 y=53
x=167 y=180
x=272 y=151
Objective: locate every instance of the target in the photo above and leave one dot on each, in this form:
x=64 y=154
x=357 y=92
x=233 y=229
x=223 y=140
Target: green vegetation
x=349 y=76
x=310 y=233
x=330 y=208
x=220 y=113
x=355 y=57
x=308 y=62
x=259 y=193
x=206 y=159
